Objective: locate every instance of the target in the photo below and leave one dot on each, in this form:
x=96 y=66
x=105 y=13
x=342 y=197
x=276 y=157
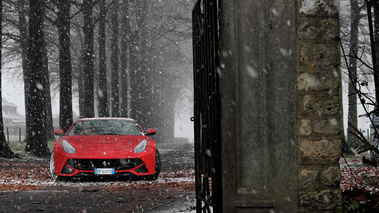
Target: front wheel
x=52 y=168
x=157 y=166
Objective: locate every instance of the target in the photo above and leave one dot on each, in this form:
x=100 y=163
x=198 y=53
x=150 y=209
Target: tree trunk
x=125 y=42
x=133 y=73
x=23 y=30
x=65 y=68
x=48 y=111
x=5 y=151
x=37 y=141
x=81 y=93
x=103 y=108
x=375 y=51
x=115 y=97
x=352 y=98
x=140 y=76
x=88 y=60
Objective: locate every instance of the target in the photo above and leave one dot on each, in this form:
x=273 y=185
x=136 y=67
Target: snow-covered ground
x=172 y=192
x=356 y=174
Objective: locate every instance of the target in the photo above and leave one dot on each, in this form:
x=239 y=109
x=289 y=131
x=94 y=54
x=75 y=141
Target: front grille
x=117 y=164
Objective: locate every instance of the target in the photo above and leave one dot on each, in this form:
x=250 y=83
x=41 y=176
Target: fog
x=13 y=92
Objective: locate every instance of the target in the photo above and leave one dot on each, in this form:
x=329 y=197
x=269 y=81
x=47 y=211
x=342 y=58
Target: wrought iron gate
x=207 y=107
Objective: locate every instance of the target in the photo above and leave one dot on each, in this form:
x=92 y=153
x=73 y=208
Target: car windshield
x=105 y=127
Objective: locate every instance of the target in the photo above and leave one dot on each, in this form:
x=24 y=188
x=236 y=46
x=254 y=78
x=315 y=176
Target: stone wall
x=319 y=111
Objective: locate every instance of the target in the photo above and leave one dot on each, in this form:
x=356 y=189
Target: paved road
x=177 y=159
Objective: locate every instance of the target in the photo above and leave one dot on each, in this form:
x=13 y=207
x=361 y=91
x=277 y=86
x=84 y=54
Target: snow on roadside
x=16 y=176
x=33 y=174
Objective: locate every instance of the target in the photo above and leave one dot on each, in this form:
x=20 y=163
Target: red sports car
x=105 y=146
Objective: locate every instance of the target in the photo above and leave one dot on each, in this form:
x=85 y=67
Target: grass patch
x=16 y=146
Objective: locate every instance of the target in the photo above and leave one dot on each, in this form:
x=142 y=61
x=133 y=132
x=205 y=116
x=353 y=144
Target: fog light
x=74 y=164
x=141 y=169
x=67 y=170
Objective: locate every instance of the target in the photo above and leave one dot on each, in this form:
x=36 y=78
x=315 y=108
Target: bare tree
x=5 y=151
x=124 y=55
x=140 y=59
x=145 y=48
x=156 y=61
x=115 y=84
x=102 y=94
x=18 y=32
x=88 y=60
x=48 y=111
x=353 y=43
x=65 y=74
x=360 y=87
x=23 y=41
x=37 y=140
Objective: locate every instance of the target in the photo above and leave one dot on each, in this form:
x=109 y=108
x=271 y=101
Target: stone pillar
x=281 y=107
x=319 y=113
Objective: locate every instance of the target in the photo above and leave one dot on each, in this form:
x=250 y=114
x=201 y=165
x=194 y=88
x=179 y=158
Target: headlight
x=67 y=147
x=141 y=146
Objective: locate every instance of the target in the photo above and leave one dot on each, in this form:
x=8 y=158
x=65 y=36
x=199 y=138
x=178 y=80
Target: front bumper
x=140 y=164
x=121 y=167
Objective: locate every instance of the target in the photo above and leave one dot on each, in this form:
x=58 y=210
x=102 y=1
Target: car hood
x=104 y=142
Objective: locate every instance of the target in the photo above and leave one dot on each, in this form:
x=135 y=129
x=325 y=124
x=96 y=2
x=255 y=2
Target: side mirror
x=59 y=132
x=150 y=132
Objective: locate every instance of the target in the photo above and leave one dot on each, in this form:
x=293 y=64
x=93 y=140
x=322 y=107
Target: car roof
x=106 y=118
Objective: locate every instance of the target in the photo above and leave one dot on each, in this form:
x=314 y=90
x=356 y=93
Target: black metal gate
x=207 y=107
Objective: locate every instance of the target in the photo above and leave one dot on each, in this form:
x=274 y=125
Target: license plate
x=104 y=171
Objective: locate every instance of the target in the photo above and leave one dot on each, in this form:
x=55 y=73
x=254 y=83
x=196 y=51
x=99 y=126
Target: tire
x=52 y=168
x=157 y=166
